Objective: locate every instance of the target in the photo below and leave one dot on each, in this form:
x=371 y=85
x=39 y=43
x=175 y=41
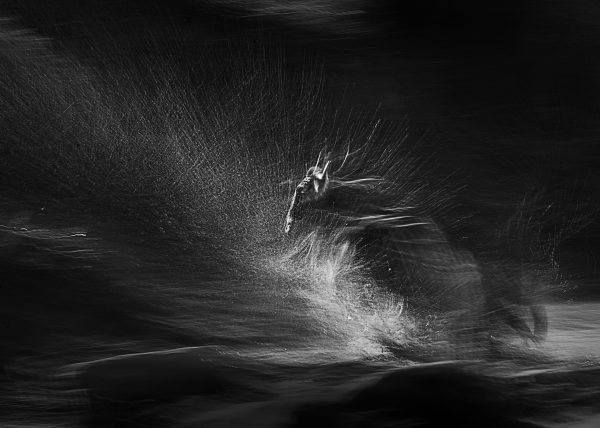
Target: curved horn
x=318 y=159
x=345 y=158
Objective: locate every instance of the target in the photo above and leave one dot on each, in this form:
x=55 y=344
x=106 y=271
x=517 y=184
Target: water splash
x=342 y=296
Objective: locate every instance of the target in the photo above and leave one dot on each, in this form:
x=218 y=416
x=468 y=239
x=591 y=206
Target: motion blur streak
x=147 y=281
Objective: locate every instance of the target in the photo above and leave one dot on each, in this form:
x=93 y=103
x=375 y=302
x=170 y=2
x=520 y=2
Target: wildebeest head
x=311 y=188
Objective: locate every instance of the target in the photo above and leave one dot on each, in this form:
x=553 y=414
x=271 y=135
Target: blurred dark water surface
x=146 y=151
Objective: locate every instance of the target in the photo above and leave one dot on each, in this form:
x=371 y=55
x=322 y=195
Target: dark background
x=133 y=293
x=497 y=91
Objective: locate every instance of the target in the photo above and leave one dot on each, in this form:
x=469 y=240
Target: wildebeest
x=410 y=253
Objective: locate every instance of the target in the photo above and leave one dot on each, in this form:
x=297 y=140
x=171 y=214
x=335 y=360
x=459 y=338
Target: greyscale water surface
x=149 y=153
